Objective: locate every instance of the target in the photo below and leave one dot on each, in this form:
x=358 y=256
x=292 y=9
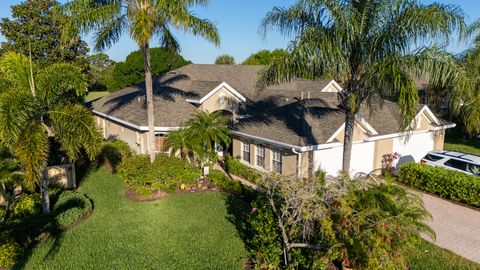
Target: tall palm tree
x=369 y=45
x=143 y=20
x=205 y=130
x=38 y=103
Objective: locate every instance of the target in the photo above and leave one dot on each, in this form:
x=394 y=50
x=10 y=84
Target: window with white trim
x=246 y=152
x=277 y=161
x=261 y=156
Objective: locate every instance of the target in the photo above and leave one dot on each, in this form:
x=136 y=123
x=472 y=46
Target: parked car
x=457 y=161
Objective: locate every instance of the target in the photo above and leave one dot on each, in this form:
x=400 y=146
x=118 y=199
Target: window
x=457 y=164
x=277 y=162
x=261 y=156
x=246 y=152
x=432 y=157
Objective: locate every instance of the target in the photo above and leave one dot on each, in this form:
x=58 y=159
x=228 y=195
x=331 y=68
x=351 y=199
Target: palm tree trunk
x=44 y=192
x=150 y=109
x=348 y=140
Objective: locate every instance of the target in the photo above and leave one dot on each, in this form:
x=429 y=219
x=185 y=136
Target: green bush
x=446 y=183
x=164 y=174
x=237 y=168
x=10 y=251
x=114 y=152
x=3 y=213
x=27 y=205
x=226 y=184
x=70 y=207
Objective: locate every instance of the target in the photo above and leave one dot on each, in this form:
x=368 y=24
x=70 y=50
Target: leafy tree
x=101 y=73
x=38 y=103
x=143 y=20
x=132 y=70
x=225 y=60
x=368 y=46
x=34 y=28
x=264 y=57
x=364 y=223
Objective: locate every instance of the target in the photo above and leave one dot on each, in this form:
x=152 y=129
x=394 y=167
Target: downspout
x=299 y=162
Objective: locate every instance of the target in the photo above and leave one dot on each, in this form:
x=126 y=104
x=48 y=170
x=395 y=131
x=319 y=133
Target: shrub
x=10 y=251
x=114 y=152
x=164 y=174
x=225 y=183
x=27 y=205
x=235 y=167
x=70 y=207
x=3 y=213
x=446 y=183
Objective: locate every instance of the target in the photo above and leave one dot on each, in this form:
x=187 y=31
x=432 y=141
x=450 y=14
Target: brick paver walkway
x=457 y=227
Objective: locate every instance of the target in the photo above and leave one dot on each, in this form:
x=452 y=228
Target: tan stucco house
x=293 y=128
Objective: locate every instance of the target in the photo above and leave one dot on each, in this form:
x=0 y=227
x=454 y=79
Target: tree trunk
x=44 y=192
x=348 y=140
x=149 y=94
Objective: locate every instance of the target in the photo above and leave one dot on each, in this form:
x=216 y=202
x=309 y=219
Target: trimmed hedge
x=233 y=187
x=164 y=174
x=237 y=168
x=71 y=207
x=114 y=152
x=449 y=184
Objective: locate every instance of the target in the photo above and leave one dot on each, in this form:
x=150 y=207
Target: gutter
x=299 y=163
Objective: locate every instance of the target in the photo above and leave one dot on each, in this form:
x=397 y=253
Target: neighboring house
x=292 y=128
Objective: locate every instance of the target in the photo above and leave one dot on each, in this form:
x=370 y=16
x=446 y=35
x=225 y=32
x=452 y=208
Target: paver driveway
x=457 y=227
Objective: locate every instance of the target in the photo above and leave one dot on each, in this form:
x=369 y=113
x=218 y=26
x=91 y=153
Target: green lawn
x=470 y=146
x=190 y=231
x=91 y=96
x=426 y=256
x=180 y=232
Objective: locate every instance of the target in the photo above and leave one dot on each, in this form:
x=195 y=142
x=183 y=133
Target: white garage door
x=416 y=146
x=330 y=160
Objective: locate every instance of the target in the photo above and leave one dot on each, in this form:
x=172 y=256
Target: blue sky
x=238 y=22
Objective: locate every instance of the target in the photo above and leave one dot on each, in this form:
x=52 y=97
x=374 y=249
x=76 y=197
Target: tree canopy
x=132 y=71
x=34 y=27
x=101 y=73
x=225 y=60
x=264 y=57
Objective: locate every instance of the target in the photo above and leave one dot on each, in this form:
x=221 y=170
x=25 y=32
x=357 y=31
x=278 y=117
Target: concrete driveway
x=457 y=227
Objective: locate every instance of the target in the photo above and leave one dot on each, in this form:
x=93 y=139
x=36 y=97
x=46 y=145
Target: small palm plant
x=178 y=142
x=11 y=177
x=36 y=103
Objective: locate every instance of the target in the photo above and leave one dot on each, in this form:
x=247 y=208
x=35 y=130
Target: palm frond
x=75 y=128
x=15 y=68
x=17 y=110
x=32 y=150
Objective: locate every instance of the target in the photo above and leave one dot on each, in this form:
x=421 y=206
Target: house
x=294 y=128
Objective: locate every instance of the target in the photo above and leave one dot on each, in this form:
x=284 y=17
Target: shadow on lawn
x=239 y=213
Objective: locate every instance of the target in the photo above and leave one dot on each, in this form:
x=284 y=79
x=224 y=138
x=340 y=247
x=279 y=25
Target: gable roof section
x=333 y=84
x=215 y=90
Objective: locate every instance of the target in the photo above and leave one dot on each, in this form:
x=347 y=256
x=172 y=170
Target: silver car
x=457 y=161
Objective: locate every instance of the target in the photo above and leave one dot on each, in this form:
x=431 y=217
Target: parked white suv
x=457 y=161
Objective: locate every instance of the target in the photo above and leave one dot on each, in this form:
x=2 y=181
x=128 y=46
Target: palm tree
x=177 y=141
x=225 y=60
x=143 y=20
x=205 y=130
x=38 y=103
x=369 y=46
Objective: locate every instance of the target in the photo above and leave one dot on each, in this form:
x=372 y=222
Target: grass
x=91 y=96
x=469 y=146
x=427 y=256
x=190 y=231
x=179 y=232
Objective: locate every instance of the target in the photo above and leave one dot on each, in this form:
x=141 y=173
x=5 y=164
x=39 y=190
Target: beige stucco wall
x=289 y=164
x=439 y=140
x=62 y=175
x=304 y=165
x=268 y=159
x=423 y=123
x=359 y=134
x=119 y=131
x=213 y=103
x=236 y=148
x=382 y=147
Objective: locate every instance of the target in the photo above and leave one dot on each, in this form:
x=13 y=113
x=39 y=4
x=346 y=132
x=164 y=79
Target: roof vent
x=308 y=95
x=302 y=96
